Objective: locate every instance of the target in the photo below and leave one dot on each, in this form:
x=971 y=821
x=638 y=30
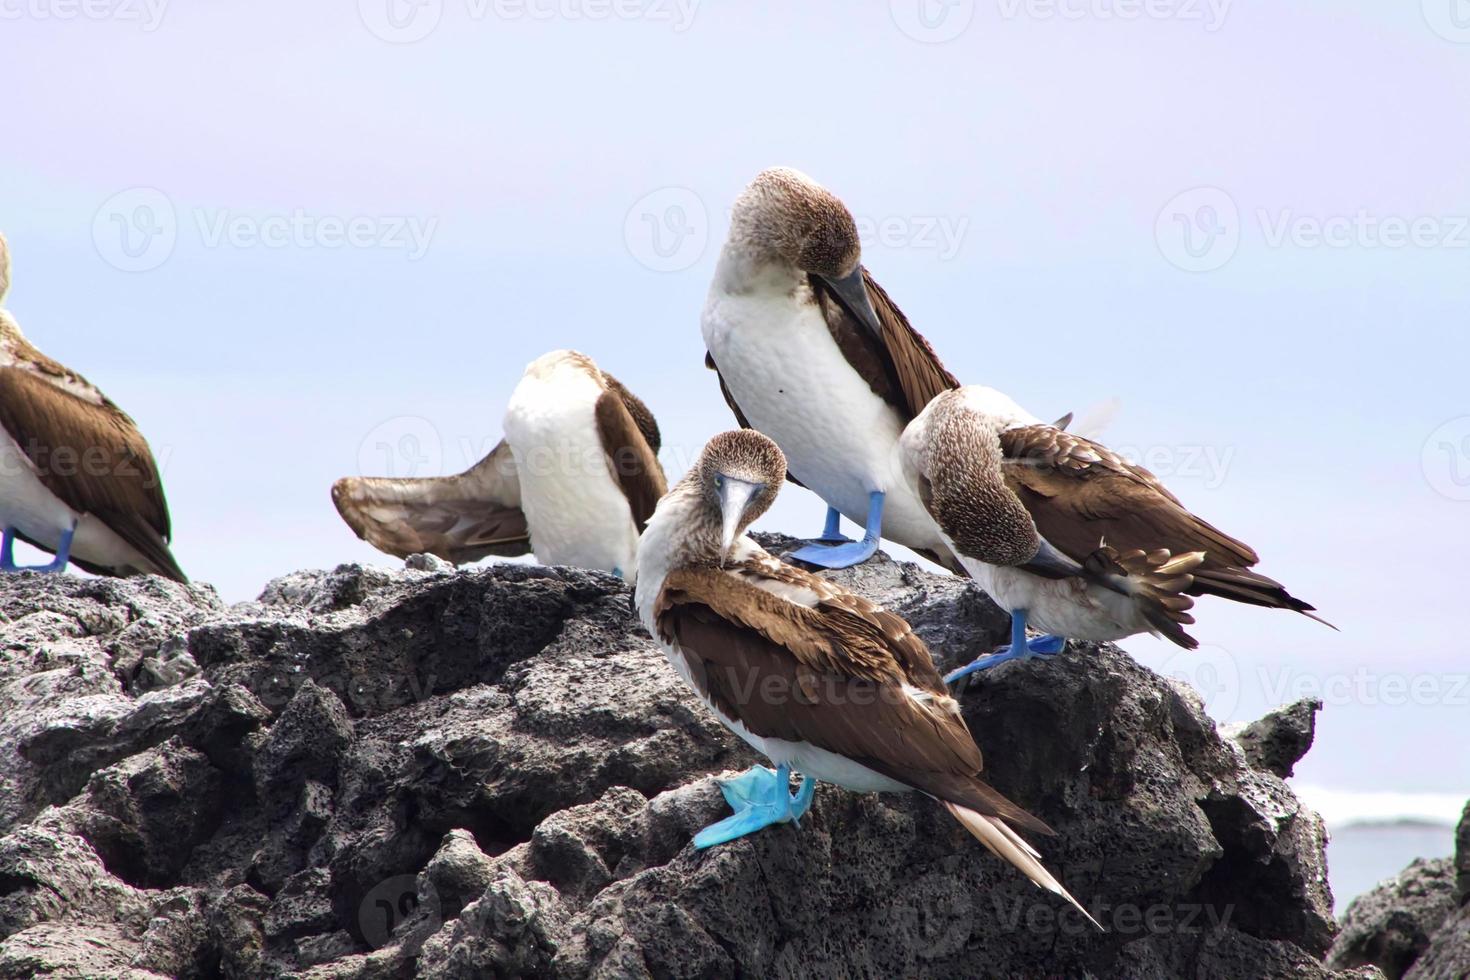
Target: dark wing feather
x=1081 y=494
x=629 y=456
x=94 y=458
x=460 y=518
x=647 y=424
x=903 y=369
x=823 y=686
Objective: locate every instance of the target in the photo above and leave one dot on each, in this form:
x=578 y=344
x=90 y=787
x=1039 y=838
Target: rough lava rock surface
x=493 y=772
x=1415 y=925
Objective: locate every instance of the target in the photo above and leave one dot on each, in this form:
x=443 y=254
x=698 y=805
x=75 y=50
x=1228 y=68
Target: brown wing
x=92 y=457
x=460 y=518
x=1081 y=494
x=842 y=676
x=629 y=456
x=644 y=419
x=709 y=362
x=903 y=369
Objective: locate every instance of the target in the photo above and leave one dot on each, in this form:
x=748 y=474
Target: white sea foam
x=1344 y=808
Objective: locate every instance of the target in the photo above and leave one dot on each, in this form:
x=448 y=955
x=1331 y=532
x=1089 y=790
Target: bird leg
x=851 y=552
x=759 y=798
x=58 y=564
x=1020 y=648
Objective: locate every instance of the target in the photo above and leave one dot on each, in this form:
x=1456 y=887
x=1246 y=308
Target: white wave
x=1342 y=808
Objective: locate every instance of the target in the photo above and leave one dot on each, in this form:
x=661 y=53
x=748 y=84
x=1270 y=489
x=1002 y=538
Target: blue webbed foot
x=1020 y=648
x=759 y=798
x=58 y=564
x=848 y=553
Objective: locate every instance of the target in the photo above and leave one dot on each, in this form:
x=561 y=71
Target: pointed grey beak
x=854 y=295
x=1052 y=563
x=735 y=496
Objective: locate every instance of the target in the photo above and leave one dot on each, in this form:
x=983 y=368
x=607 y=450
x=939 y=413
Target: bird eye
x=719 y=482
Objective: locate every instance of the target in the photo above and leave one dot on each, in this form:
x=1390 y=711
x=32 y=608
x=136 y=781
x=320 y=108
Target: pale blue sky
x=1022 y=181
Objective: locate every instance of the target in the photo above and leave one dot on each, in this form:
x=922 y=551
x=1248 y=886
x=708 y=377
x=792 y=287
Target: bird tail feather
x=1007 y=845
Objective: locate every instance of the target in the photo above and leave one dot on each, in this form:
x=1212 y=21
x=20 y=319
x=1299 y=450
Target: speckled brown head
x=785 y=216
x=739 y=475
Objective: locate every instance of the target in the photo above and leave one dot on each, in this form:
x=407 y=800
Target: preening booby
x=818 y=679
x=1065 y=533
x=573 y=481
x=76 y=477
x=810 y=351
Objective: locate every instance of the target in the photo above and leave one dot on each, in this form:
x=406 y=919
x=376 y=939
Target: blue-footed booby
x=573 y=481
x=812 y=352
x=76 y=477
x=1066 y=534
x=816 y=678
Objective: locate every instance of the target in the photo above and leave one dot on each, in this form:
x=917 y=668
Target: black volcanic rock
x=1416 y=924
x=494 y=772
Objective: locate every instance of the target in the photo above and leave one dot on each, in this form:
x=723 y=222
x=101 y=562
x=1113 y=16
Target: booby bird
x=817 y=679
x=811 y=351
x=76 y=477
x=1065 y=533
x=573 y=481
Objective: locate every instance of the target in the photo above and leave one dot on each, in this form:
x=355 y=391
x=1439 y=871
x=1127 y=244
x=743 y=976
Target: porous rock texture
x=1415 y=925
x=494 y=772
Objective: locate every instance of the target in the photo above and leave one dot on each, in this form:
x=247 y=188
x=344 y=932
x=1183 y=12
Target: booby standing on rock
x=811 y=352
x=574 y=480
x=814 y=677
x=76 y=477
x=1065 y=533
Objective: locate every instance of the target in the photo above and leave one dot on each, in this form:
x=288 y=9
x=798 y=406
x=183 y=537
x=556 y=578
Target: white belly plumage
x=1066 y=607
x=36 y=512
x=577 y=514
x=792 y=383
